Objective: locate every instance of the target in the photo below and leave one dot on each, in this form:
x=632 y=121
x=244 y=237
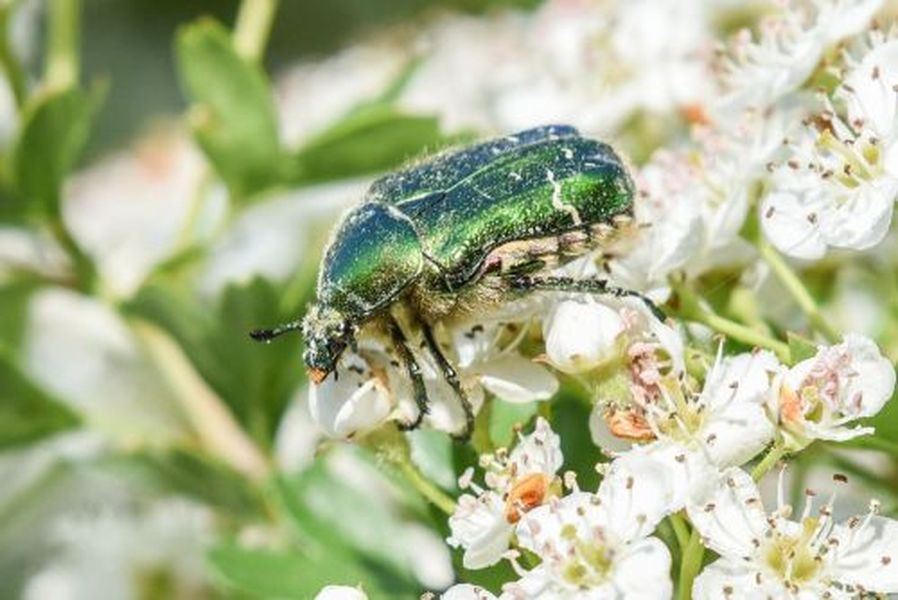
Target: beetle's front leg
x=589 y=285
x=414 y=374
x=451 y=377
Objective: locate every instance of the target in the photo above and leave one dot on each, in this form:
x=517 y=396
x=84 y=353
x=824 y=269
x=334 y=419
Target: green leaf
x=505 y=416
x=14 y=298
x=233 y=116
x=27 y=413
x=54 y=132
x=324 y=507
x=256 y=381
x=268 y=574
x=371 y=139
x=570 y=420
x=179 y=471
x=431 y=451
x=800 y=347
x=344 y=538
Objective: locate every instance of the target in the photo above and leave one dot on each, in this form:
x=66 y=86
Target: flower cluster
x=791 y=152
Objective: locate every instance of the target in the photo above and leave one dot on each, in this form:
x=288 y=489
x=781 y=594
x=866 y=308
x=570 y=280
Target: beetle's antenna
x=266 y=335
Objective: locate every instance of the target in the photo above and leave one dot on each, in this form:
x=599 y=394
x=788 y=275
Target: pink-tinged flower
x=725 y=425
x=771 y=555
x=516 y=482
x=820 y=396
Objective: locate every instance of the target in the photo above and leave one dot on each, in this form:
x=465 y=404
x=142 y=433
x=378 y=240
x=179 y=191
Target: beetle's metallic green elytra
x=459 y=233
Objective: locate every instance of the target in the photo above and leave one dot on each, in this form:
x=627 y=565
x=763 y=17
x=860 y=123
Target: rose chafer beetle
x=447 y=239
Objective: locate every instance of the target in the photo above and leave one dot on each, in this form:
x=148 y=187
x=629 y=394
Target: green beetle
x=465 y=231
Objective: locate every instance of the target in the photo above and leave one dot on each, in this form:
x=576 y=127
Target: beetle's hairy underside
x=452 y=238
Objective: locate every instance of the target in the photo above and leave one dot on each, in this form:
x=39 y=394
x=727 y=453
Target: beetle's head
x=327 y=333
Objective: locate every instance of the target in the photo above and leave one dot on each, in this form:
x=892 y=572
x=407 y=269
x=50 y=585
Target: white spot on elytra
x=558 y=203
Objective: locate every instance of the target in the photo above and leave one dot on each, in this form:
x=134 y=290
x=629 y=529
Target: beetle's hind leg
x=589 y=285
x=451 y=377
x=414 y=373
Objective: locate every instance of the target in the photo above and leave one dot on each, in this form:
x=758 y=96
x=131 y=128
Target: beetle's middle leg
x=414 y=374
x=587 y=285
x=451 y=377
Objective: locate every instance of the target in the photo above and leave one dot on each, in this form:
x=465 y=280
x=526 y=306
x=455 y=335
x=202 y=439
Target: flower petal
x=466 y=591
x=514 y=378
x=729 y=514
x=351 y=403
x=643 y=572
x=786 y=223
x=340 y=592
x=737 y=433
x=867 y=555
x=538 y=452
x=727 y=579
x=636 y=493
x=580 y=334
x=478 y=525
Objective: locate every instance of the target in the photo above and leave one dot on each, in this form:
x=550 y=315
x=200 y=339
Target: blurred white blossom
x=129 y=211
x=118 y=554
x=112 y=386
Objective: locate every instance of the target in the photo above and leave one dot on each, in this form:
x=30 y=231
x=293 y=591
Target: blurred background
x=169 y=173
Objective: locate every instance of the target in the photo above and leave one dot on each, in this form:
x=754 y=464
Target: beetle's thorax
x=372 y=257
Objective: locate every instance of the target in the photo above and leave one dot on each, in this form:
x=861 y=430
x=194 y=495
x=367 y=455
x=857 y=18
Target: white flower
x=598 y=545
x=108 y=555
x=83 y=352
x=466 y=591
x=724 y=425
x=355 y=401
x=584 y=334
x=516 y=483
x=670 y=231
x=790 y=45
x=593 y=65
x=341 y=592
x=272 y=236
x=581 y=334
x=372 y=387
x=819 y=396
x=839 y=187
x=159 y=178
x=768 y=555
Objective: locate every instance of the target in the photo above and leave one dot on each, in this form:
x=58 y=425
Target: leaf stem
x=10 y=63
x=85 y=270
x=690 y=565
x=690 y=309
x=253 y=27
x=792 y=282
x=425 y=487
x=773 y=456
x=207 y=413
x=61 y=68
x=681 y=530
